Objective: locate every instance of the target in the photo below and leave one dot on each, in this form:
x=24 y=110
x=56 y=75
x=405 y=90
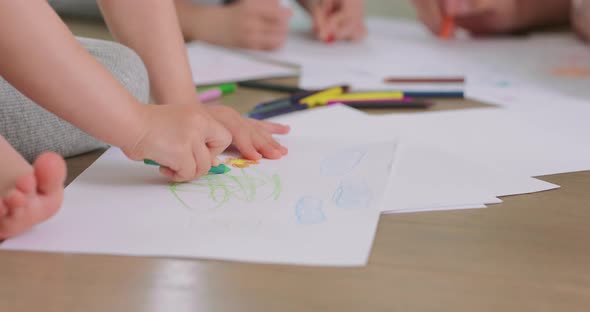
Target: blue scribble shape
x=308 y=210
x=341 y=163
x=352 y=193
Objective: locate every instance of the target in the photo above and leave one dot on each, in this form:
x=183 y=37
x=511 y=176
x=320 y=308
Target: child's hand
x=337 y=19
x=476 y=16
x=253 y=138
x=184 y=139
x=492 y=16
x=250 y=24
x=581 y=18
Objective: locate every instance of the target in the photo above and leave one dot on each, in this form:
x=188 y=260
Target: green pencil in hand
x=220 y=169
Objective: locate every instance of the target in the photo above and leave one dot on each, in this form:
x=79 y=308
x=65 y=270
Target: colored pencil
x=253 y=84
x=433 y=80
x=385 y=104
x=434 y=94
x=447 y=30
x=359 y=96
x=219 y=169
x=319 y=98
x=294 y=99
x=278 y=112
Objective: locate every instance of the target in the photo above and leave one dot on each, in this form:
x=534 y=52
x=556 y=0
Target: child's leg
x=28 y=195
x=33 y=130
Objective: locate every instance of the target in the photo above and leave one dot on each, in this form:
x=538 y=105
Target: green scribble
x=278 y=186
x=244 y=185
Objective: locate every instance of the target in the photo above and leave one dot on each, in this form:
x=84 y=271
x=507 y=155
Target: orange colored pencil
x=447 y=30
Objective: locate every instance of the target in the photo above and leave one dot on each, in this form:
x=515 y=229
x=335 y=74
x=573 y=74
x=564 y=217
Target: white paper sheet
x=526 y=143
x=429 y=172
x=212 y=65
x=317 y=206
x=439 y=208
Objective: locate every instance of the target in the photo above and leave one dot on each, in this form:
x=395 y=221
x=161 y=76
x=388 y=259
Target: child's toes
x=15 y=199
x=50 y=170
x=3 y=209
x=27 y=184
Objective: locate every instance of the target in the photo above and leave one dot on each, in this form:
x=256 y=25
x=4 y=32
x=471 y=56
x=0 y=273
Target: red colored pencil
x=448 y=28
x=425 y=80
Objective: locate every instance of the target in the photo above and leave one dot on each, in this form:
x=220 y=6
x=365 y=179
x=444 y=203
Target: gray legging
x=31 y=130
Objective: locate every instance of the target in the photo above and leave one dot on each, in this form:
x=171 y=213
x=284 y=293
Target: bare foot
x=35 y=197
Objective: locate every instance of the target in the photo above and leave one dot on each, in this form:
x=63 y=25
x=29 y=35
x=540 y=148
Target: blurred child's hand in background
x=335 y=20
x=249 y=24
x=492 y=16
x=581 y=18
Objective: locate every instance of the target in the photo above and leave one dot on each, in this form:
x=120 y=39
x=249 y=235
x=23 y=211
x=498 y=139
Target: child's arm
x=493 y=16
x=42 y=59
x=150 y=27
x=154 y=34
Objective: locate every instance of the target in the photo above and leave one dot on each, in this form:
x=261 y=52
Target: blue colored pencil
x=434 y=94
x=287 y=101
x=278 y=111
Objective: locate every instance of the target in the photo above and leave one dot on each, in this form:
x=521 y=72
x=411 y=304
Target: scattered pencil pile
x=341 y=95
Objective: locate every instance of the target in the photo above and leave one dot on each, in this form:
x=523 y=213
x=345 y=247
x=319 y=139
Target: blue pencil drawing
x=341 y=163
x=353 y=193
x=308 y=210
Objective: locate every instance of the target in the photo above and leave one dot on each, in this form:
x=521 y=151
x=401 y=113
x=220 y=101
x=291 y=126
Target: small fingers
x=268 y=147
x=332 y=30
x=184 y=172
x=27 y=184
x=15 y=199
x=430 y=13
x=269 y=42
x=322 y=13
x=246 y=147
x=271 y=127
x=467 y=7
x=169 y=173
x=218 y=141
x=3 y=209
x=360 y=33
x=269 y=36
x=275 y=15
x=346 y=30
x=318 y=20
x=483 y=23
x=203 y=160
x=278 y=145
